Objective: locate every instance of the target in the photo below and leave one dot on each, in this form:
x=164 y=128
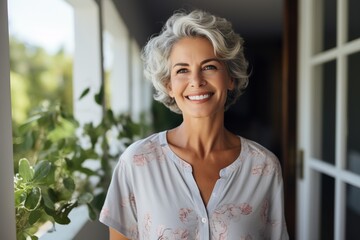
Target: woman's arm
x=115 y=235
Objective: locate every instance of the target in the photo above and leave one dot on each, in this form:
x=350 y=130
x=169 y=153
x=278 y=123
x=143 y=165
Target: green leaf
x=62 y=219
x=61 y=216
x=34 y=237
x=48 y=202
x=100 y=96
x=42 y=169
x=33 y=199
x=61 y=143
x=84 y=93
x=87 y=171
x=85 y=198
x=49 y=211
x=110 y=116
x=50 y=178
x=64 y=129
x=47 y=145
x=29 y=140
x=69 y=184
x=20 y=196
x=99 y=200
x=52 y=195
x=34 y=216
x=31 y=119
x=92 y=212
x=25 y=170
x=20 y=235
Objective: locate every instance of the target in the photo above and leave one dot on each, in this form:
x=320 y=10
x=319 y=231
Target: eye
x=210 y=67
x=181 y=70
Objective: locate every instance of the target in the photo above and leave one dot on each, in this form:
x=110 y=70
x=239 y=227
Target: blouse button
x=204 y=220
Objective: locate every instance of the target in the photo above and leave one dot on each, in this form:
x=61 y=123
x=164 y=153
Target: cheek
x=175 y=88
x=225 y=85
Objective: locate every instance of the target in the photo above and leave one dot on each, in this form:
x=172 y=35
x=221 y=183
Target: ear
x=169 y=89
x=231 y=84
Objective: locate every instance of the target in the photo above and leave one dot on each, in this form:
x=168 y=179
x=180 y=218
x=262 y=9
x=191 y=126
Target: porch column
x=7 y=207
x=120 y=73
x=87 y=60
x=141 y=89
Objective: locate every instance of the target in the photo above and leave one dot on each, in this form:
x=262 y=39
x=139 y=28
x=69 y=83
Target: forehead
x=192 y=47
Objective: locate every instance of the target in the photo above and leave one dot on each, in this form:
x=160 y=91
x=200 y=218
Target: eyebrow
x=201 y=63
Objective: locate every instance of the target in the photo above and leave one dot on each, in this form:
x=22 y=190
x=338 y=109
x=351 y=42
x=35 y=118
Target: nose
x=197 y=79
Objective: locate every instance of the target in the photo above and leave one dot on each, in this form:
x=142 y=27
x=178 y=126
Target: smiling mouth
x=199 y=97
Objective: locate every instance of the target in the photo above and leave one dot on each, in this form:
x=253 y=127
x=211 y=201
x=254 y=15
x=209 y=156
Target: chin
x=203 y=113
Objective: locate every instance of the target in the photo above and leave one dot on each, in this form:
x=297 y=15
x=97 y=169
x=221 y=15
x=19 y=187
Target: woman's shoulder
x=143 y=144
x=142 y=148
x=257 y=149
x=261 y=159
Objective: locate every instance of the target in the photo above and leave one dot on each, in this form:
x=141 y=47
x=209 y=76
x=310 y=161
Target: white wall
x=7 y=208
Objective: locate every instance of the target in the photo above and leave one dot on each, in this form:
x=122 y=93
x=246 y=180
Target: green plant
x=53 y=177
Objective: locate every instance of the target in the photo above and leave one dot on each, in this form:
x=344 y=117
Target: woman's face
x=199 y=81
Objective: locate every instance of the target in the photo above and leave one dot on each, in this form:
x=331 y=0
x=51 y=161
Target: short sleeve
x=276 y=224
x=119 y=209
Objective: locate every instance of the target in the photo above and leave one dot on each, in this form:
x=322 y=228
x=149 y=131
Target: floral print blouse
x=153 y=195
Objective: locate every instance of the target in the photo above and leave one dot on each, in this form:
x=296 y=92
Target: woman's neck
x=201 y=136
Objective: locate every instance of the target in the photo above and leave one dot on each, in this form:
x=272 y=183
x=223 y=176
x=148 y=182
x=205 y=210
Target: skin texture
x=199 y=82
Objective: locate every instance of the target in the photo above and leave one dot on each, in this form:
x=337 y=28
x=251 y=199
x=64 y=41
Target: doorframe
x=308 y=187
x=289 y=111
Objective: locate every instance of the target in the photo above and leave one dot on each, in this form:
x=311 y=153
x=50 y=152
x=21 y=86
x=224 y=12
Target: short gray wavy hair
x=228 y=47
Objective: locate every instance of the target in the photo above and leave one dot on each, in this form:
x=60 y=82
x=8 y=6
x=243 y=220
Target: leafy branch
x=55 y=176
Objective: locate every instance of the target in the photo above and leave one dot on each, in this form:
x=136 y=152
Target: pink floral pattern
x=129 y=201
x=169 y=234
x=264 y=211
x=105 y=212
x=190 y=220
x=267 y=167
x=147 y=226
x=133 y=232
x=256 y=152
x=245 y=209
x=187 y=215
x=140 y=160
x=150 y=152
x=225 y=214
x=265 y=214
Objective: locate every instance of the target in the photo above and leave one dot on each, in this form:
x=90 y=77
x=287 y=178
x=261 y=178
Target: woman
x=198 y=180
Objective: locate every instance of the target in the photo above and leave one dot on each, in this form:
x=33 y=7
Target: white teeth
x=199 y=97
